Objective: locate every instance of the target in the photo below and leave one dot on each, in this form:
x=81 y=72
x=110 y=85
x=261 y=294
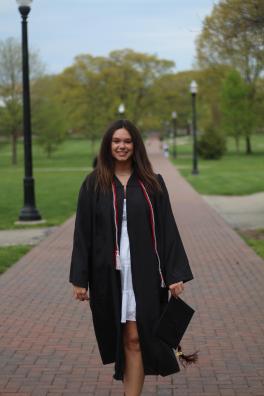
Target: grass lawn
x=233 y=174
x=57 y=181
x=10 y=254
x=255 y=239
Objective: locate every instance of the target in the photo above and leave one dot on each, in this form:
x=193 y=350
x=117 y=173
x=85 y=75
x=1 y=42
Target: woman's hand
x=176 y=288
x=80 y=293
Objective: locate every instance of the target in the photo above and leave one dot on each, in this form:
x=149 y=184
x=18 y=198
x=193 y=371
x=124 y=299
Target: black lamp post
x=174 y=125
x=29 y=211
x=193 y=91
x=121 y=110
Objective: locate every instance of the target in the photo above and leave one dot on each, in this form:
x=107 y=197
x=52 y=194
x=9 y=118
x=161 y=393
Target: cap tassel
x=187 y=360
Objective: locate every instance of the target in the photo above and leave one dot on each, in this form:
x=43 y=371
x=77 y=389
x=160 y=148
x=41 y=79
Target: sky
x=62 y=29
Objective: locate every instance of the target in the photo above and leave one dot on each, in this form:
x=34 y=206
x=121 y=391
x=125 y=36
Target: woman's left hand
x=176 y=288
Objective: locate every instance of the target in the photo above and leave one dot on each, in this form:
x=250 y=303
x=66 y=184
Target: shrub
x=212 y=144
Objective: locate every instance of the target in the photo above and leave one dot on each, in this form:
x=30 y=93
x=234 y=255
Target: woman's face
x=122 y=147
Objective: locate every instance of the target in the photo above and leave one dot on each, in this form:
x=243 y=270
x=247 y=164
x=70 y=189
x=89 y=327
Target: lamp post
x=29 y=211
x=121 y=110
x=193 y=91
x=174 y=125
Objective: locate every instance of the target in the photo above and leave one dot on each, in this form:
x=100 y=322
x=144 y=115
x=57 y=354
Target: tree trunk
x=248 y=145
x=14 y=148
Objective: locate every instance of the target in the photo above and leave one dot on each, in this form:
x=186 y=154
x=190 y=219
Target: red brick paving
x=47 y=343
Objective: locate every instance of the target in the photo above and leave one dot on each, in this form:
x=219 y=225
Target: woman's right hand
x=80 y=293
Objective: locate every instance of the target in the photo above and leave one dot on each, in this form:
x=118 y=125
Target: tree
x=144 y=69
x=229 y=37
x=237 y=115
x=212 y=143
x=11 y=88
x=93 y=87
x=48 y=117
x=170 y=93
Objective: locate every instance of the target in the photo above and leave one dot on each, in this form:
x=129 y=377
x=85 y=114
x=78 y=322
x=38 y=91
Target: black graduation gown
x=92 y=265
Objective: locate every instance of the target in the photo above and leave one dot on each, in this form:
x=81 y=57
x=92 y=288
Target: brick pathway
x=47 y=343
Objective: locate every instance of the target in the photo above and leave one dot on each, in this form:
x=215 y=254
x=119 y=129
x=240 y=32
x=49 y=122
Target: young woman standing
x=127 y=250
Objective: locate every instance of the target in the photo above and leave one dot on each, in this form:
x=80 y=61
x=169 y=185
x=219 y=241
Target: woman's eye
x=125 y=142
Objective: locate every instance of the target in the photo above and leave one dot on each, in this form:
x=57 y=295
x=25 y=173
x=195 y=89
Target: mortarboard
x=172 y=325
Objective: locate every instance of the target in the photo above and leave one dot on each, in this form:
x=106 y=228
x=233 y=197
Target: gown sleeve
x=82 y=239
x=176 y=262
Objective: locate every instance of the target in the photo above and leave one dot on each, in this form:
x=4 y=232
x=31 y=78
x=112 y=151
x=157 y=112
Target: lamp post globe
x=193 y=91
x=121 y=110
x=174 y=126
x=174 y=115
x=29 y=211
x=193 y=87
x=24 y=6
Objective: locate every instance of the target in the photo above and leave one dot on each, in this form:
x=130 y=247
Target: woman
x=128 y=250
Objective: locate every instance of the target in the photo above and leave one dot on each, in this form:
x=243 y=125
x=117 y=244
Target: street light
x=121 y=110
x=29 y=211
x=193 y=91
x=174 y=124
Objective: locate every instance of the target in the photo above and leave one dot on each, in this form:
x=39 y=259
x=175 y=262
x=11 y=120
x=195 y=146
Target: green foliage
x=233 y=35
x=11 y=88
x=48 y=119
x=238 y=117
x=259 y=106
x=229 y=36
x=50 y=126
x=211 y=144
x=93 y=87
x=11 y=117
x=170 y=92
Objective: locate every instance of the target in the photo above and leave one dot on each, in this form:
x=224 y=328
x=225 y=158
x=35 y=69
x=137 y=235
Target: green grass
x=57 y=182
x=257 y=246
x=10 y=254
x=233 y=174
x=255 y=239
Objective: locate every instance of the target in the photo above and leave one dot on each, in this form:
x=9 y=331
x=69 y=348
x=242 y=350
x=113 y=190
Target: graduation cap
x=172 y=325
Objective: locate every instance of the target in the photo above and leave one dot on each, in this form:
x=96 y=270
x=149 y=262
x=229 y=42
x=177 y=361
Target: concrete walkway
x=242 y=212
x=47 y=342
x=25 y=236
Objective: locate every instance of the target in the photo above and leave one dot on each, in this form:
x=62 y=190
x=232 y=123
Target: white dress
x=128 y=311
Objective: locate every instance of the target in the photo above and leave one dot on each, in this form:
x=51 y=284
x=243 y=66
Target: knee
x=132 y=344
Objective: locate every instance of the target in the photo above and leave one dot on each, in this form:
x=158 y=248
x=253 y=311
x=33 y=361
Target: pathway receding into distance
x=47 y=342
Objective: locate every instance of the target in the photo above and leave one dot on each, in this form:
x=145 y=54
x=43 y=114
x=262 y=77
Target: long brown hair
x=106 y=164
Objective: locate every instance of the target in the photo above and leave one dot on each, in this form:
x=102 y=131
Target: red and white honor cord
x=152 y=222
x=117 y=254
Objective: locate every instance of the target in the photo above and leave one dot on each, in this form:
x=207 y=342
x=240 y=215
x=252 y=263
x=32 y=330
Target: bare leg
x=134 y=372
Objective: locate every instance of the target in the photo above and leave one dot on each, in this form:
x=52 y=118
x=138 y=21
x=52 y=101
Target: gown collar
x=131 y=181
